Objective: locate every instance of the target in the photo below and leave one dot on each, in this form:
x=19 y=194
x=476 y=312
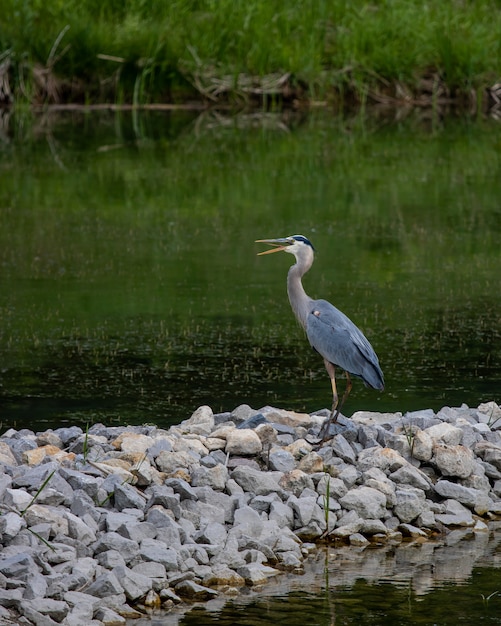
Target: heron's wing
x=338 y=340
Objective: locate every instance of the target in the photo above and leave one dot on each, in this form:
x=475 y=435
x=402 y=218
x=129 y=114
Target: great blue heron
x=330 y=332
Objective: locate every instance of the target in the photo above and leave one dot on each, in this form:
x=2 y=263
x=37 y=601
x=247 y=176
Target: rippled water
x=130 y=292
x=444 y=582
x=130 y=289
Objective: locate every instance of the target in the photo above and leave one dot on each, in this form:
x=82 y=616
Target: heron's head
x=298 y=245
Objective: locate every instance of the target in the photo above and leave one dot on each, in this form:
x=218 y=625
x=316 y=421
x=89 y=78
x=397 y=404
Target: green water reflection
x=454 y=580
x=130 y=290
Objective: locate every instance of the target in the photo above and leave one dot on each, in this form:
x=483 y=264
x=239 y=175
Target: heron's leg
x=346 y=393
x=336 y=408
x=331 y=370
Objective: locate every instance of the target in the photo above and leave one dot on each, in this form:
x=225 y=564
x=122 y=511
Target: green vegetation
x=140 y=52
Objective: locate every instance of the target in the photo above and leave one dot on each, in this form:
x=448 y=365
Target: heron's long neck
x=298 y=298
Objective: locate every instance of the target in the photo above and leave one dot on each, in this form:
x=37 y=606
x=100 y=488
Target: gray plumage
x=337 y=339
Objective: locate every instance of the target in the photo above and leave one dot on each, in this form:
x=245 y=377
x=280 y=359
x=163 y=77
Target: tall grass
x=141 y=51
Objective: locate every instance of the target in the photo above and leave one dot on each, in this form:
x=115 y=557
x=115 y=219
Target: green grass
x=138 y=51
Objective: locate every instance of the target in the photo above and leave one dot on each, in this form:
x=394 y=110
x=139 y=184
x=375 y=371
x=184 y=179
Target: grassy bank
x=138 y=52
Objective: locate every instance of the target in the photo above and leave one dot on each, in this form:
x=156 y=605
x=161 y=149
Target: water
x=130 y=292
x=450 y=580
x=130 y=289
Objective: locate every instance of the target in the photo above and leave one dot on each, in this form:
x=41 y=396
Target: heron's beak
x=278 y=245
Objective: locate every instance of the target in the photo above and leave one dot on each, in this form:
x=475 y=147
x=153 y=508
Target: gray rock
x=349 y=475
x=305 y=510
x=170 y=462
x=409 y=504
x=128 y=497
x=11 y=525
x=10 y=597
x=281 y=460
x=296 y=481
x=256 y=573
x=473 y=498
x=82 y=505
x=493 y=457
x=408 y=530
x=193 y=591
x=134 y=584
x=382 y=458
x=137 y=531
x=262 y=504
x=81 y=611
x=104 y=586
x=451 y=519
x=249 y=521
x=367 y=502
x=153 y=550
x=110 y=559
x=55 y=609
x=78 y=529
x=18 y=446
x=78 y=480
x=151 y=570
x=213 y=533
x=343 y=450
x=200 y=423
x=18 y=565
x=68 y=434
x=114 y=519
x=109 y=617
x=281 y=514
x=255 y=481
x=335 y=487
x=213 y=477
x=372 y=527
x=344 y=531
x=35 y=617
x=36 y=586
x=409 y=475
x=182 y=488
x=164 y=496
x=426 y=519
x=113 y=541
x=17 y=499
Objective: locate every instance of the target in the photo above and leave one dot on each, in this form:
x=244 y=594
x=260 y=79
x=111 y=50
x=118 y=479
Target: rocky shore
x=107 y=525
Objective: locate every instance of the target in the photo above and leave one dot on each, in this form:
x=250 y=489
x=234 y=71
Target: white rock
x=200 y=423
x=367 y=502
x=445 y=433
x=243 y=441
x=453 y=460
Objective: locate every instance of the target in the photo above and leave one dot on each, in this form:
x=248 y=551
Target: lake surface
x=452 y=580
x=130 y=292
x=130 y=289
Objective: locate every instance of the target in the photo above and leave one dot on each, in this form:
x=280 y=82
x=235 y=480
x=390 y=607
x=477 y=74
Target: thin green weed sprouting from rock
x=491 y=421
x=30 y=504
x=126 y=481
x=85 y=450
x=410 y=435
x=40 y=489
x=326 y=502
x=486 y=599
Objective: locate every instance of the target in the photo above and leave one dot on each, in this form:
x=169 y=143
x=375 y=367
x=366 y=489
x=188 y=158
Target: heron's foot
x=324 y=433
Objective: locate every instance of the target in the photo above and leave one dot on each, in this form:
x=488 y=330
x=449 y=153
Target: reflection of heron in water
x=329 y=331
